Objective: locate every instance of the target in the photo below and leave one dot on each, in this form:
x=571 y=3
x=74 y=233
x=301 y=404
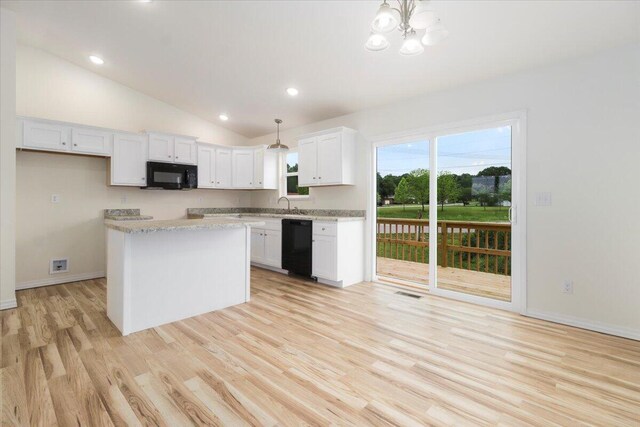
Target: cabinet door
x=242 y=168
x=161 y=148
x=223 y=168
x=330 y=159
x=91 y=141
x=206 y=167
x=324 y=257
x=185 y=151
x=273 y=248
x=307 y=162
x=258 y=168
x=45 y=136
x=129 y=160
x=257 y=245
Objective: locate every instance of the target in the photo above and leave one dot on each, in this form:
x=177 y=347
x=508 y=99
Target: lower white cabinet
x=337 y=251
x=266 y=242
x=129 y=160
x=266 y=247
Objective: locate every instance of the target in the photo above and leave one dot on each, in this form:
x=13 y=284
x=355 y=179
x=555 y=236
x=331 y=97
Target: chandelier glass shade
x=417 y=23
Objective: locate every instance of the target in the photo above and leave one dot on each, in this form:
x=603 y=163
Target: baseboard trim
x=59 y=280
x=585 y=324
x=8 y=303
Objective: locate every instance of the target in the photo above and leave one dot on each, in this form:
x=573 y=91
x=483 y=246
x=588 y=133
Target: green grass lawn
x=452 y=213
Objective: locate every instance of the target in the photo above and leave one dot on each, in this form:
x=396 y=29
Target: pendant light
x=278 y=146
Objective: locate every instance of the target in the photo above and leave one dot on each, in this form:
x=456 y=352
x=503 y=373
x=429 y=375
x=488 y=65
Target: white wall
x=583 y=145
x=49 y=87
x=7 y=157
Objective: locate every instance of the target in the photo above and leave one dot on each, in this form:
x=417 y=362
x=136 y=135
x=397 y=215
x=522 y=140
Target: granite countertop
x=125 y=215
x=128 y=217
x=277 y=215
x=137 y=227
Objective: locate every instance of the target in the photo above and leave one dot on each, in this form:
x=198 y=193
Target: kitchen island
x=161 y=271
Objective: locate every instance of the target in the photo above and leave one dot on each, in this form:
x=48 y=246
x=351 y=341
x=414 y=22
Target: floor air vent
x=406 y=294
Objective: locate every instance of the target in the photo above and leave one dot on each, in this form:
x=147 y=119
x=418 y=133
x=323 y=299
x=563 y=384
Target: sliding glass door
x=473 y=194
x=447 y=211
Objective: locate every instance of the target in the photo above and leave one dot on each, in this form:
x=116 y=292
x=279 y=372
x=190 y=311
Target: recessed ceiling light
x=292 y=91
x=96 y=60
x=223 y=117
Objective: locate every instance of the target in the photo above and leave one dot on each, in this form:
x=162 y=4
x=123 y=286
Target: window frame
x=284 y=175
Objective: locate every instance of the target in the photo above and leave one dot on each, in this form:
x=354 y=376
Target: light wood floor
x=305 y=354
x=489 y=285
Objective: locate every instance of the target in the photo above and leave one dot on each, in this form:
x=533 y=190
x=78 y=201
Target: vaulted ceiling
x=238 y=57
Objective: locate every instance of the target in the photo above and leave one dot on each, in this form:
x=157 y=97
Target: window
x=291 y=177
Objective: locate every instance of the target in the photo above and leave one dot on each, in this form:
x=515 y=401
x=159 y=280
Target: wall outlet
x=55 y=198
x=60 y=265
x=567 y=287
x=543 y=199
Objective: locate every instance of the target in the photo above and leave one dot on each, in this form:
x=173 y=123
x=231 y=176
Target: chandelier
x=416 y=21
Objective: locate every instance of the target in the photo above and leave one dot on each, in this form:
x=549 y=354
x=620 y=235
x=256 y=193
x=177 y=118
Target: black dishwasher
x=296 y=246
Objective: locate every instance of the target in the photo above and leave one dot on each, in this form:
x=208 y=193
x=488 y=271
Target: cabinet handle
x=169 y=157
x=323 y=228
x=260 y=182
x=319 y=177
x=75 y=145
x=251 y=183
x=314 y=177
x=143 y=179
x=64 y=143
x=176 y=157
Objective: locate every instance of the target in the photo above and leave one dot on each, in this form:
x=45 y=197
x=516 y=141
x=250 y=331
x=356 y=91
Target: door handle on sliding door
x=511 y=215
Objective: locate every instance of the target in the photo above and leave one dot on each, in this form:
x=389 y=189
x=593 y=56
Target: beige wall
x=583 y=145
x=7 y=156
x=49 y=87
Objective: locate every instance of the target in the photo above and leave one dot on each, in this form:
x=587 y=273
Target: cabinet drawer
x=325 y=228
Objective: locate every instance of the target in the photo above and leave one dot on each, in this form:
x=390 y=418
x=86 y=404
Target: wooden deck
x=495 y=286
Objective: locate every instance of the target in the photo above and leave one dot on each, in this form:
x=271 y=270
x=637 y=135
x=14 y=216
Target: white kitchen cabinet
x=327 y=158
x=307 y=162
x=257 y=245
x=206 y=167
x=129 y=160
x=243 y=168
x=161 y=147
x=273 y=248
x=91 y=141
x=223 y=168
x=46 y=136
x=337 y=252
x=172 y=148
x=265 y=169
x=266 y=242
x=324 y=251
x=185 y=150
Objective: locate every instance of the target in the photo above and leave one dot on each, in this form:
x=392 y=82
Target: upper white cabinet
x=223 y=168
x=243 y=168
x=185 y=150
x=52 y=136
x=172 y=148
x=46 y=136
x=327 y=158
x=129 y=160
x=206 y=166
x=91 y=141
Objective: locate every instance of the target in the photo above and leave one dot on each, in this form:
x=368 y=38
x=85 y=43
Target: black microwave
x=171 y=176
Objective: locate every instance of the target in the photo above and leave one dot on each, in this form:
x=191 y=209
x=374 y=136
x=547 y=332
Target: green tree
x=418 y=183
x=448 y=188
x=402 y=193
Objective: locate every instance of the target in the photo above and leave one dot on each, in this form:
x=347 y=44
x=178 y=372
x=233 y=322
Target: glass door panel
x=473 y=213
x=402 y=228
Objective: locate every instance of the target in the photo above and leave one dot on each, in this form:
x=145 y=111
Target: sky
x=468 y=152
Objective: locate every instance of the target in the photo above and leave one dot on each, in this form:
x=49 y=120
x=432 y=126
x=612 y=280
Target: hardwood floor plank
x=301 y=353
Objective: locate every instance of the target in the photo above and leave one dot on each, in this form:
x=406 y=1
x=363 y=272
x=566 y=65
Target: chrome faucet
x=288 y=202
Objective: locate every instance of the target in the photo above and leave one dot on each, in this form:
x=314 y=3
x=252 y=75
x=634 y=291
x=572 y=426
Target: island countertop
x=137 y=227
